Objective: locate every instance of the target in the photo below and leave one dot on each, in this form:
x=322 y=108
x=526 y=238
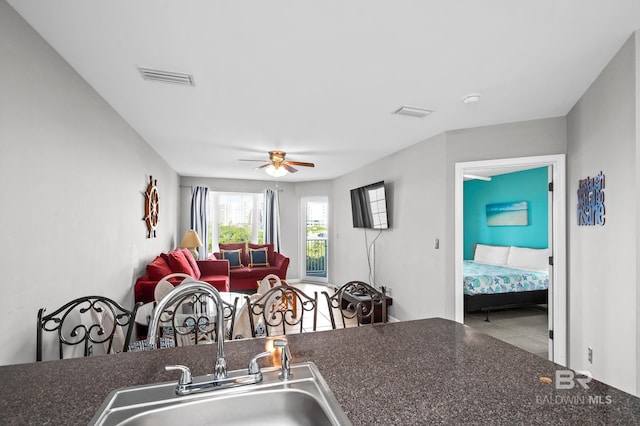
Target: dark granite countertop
x=430 y=371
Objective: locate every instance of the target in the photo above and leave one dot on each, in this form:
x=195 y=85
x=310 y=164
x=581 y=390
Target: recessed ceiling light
x=471 y=98
x=412 y=111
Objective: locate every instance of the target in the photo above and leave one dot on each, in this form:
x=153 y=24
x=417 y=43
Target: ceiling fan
x=278 y=166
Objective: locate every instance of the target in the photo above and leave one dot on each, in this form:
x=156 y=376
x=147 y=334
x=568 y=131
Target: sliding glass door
x=315 y=236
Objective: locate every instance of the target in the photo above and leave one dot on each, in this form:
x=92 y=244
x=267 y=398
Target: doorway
x=557 y=314
x=315 y=238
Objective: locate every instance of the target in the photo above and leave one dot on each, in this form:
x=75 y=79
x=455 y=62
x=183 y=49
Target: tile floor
x=526 y=327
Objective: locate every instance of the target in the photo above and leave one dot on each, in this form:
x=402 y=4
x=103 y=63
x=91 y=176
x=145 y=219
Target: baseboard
x=392 y=319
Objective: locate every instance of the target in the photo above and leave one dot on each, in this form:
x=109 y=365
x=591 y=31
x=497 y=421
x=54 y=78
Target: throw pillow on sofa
x=258 y=257
x=236 y=246
x=233 y=256
x=270 y=251
x=158 y=269
x=192 y=263
x=179 y=263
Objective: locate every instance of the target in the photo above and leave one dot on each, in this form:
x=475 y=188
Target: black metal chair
x=87 y=321
x=192 y=319
x=357 y=301
x=280 y=308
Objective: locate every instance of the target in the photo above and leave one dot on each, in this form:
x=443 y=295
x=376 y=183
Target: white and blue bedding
x=480 y=278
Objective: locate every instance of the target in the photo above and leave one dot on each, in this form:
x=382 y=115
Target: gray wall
x=637 y=197
x=420 y=180
x=603 y=259
x=524 y=139
x=73 y=175
x=404 y=257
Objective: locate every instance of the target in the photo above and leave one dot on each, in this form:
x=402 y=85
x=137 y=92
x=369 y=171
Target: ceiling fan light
x=274 y=171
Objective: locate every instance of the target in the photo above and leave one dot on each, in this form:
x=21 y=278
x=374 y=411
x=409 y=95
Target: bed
x=505 y=276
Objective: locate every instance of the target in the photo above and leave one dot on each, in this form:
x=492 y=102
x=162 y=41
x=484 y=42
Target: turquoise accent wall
x=530 y=186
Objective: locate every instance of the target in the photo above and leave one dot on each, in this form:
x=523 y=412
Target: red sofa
x=247 y=277
x=214 y=272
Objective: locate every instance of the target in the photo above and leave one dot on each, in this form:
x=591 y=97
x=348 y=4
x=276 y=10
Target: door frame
x=558 y=283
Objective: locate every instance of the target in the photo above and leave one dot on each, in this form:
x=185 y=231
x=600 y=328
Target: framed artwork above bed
x=514 y=213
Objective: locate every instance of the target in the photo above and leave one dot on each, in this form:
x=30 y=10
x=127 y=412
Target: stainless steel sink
x=305 y=399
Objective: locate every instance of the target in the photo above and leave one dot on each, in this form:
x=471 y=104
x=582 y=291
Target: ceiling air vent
x=166 y=76
x=412 y=111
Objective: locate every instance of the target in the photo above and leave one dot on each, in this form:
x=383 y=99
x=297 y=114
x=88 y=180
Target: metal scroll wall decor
x=591 y=201
x=151 y=207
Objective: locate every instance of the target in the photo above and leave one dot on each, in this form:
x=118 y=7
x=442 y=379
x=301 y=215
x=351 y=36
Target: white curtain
x=272 y=219
x=199 y=215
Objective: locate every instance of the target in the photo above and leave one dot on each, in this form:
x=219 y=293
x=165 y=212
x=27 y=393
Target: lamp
x=191 y=241
x=275 y=170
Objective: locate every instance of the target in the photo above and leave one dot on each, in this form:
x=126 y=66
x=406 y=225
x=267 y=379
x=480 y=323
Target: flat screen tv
x=369 y=206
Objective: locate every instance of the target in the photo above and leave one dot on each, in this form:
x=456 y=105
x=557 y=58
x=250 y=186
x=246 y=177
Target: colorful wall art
x=591 y=201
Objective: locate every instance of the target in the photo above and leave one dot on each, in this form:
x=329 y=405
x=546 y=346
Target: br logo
x=566 y=379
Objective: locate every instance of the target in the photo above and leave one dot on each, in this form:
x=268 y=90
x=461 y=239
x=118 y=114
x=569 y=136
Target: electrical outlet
x=436 y=243
x=590 y=355
x=387 y=291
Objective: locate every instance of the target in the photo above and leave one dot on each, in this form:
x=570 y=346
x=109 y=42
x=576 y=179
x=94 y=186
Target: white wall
x=603 y=279
x=73 y=175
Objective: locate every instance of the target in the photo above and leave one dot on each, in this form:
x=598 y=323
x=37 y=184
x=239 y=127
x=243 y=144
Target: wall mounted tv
x=369 y=207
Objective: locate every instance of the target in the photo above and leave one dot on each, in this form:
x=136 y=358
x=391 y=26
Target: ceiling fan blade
x=261 y=161
x=288 y=168
x=301 y=163
x=263 y=166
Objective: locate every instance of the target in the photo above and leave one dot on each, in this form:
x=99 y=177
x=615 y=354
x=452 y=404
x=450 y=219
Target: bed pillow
x=528 y=258
x=492 y=255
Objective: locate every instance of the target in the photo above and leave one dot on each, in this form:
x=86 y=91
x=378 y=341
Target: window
x=236 y=217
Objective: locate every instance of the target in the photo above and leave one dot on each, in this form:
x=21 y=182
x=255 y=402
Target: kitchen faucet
x=220 y=371
x=220 y=378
